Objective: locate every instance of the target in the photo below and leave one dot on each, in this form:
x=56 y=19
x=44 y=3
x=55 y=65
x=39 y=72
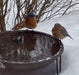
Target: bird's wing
x=64 y=32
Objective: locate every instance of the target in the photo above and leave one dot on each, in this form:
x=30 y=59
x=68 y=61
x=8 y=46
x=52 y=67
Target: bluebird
x=60 y=32
x=29 y=22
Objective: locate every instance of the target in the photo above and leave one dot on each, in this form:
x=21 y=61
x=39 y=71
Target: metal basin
x=28 y=50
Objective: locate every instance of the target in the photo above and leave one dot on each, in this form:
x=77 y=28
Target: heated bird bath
x=29 y=50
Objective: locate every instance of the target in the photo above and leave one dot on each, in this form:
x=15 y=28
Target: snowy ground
x=70 y=60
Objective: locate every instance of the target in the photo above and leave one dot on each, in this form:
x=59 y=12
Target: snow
x=70 y=58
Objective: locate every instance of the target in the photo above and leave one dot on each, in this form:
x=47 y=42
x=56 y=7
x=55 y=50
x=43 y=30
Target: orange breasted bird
x=60 y=32
x=29 y=22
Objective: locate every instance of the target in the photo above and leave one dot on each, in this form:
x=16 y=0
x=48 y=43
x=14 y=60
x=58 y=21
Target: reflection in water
x=27 y=46
x=55 y=48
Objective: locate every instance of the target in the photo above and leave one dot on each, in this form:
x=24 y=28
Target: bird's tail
x=70 y=37
x=18 y=26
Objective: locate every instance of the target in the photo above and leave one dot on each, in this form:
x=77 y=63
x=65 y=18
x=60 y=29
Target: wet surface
x=28 y=46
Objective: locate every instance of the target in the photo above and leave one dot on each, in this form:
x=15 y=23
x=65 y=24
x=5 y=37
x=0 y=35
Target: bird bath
x=28 y=50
